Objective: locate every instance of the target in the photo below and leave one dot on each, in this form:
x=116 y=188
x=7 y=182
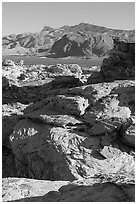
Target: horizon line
x=4 y=35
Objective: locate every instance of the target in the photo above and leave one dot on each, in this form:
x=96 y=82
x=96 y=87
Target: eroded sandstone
x=58 y=128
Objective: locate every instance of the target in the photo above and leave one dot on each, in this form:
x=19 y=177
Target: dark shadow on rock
x=27 y=94
x=121 y=63
x=8 y=158
x=43 y=160
x=98 y=192
x=114 y=143
x=8 y=123
x=8 y=163
x=35 y=167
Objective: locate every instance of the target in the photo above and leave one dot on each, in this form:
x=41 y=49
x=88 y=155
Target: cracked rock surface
x=66 y=142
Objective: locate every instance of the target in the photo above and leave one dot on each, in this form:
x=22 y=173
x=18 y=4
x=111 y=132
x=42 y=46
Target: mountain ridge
x=46 y=38
x=5 y=35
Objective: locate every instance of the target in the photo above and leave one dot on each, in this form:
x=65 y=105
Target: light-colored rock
x=18 y=74
x=99 y=189
x=12 y=73
x=49 y=152
x=13 y=109
x=106 y=116
x=51 y=115
x=75 y=105
x=94 y=92
x=64 y=69
x=71 y=134
x=19 y=188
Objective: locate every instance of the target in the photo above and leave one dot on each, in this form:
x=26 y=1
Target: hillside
x=79 y=40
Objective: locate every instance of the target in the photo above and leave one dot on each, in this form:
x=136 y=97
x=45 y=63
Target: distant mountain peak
x=83 y=23
x=47 y=28
x=67 y=40
x=65 y=27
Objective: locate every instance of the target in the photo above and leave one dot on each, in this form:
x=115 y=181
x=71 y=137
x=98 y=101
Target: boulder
x=74 y=105
x=56 y=153
x=95 y=192
x=64 y=104
x=65 y=82
x=94 y=92
x=95 y=77
x=35 y=153
x=50 y=115
x=121 y=63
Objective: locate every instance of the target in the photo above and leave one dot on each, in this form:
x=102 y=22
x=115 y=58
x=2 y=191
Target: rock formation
x=90 y=190
x=65 y=139
x=119 y=65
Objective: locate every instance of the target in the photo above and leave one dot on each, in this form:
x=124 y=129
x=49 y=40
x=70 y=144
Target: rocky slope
x=65 y=137
x=119 y=65
x=78 y=40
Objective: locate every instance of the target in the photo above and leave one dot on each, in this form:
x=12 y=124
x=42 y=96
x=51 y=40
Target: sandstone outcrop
x=79 y=138
x=25 y=84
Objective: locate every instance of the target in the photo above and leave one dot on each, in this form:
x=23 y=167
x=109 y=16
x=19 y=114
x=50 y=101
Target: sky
x=20 y=17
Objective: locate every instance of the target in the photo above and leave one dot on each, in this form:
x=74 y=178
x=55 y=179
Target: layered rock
x=27 y=84
x=56 y=153
x=64 y=130
x=84 y=129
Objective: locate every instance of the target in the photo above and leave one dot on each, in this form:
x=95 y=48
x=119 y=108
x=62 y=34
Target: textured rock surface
x=19 y=188
x=28 y=84
x=91 y=190
x=77 y=136
x=42 y=149
x=121 y=63
x=11 y=114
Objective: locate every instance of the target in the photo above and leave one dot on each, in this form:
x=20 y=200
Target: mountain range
x=80 y=40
